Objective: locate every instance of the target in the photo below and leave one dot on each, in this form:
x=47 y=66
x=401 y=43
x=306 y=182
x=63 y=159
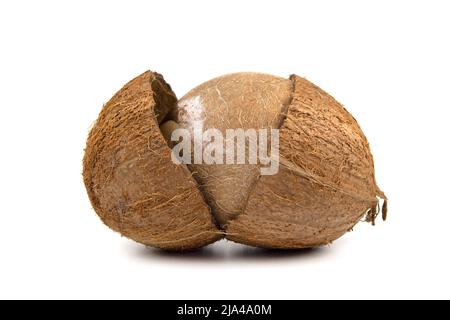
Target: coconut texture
x=325 y=184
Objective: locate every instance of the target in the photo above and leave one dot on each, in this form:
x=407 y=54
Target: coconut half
x=131 y=180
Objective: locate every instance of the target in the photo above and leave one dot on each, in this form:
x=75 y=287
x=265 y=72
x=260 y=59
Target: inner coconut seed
x=243 y=101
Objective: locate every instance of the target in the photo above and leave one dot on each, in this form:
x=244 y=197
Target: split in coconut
x=324 y=186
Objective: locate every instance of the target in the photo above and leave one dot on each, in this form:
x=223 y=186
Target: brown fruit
x=325 y=184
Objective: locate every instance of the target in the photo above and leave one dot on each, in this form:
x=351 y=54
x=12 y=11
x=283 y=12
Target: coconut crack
x=165 y=99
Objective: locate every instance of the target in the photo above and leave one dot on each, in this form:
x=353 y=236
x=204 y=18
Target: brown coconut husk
x=132 y=183
x=326 y=182
x=325 y=185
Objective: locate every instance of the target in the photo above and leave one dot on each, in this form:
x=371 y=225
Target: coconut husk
x=326 y=182
x=131 y=181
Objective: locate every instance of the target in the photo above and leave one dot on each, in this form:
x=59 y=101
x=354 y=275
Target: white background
x=387 y=61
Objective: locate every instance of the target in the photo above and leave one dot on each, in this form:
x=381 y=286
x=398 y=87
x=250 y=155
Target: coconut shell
x=326 y=182
x=131 y=181
x=234 y=101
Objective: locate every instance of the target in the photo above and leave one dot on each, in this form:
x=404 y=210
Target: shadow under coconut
x=227 y=251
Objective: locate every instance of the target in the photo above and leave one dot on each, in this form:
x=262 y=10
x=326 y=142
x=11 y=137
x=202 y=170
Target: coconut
x=324 y=186
x=236 y=101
